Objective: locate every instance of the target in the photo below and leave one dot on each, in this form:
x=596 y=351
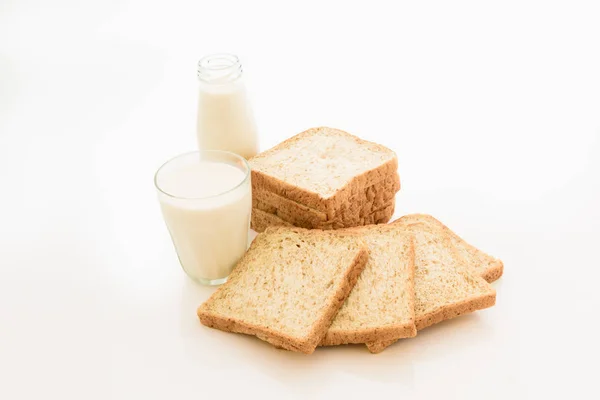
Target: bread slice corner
x=488 y=267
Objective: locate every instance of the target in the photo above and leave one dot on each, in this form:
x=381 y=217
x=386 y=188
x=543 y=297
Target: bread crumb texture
x=286 y=281
x=384 y=293
x=321 y=160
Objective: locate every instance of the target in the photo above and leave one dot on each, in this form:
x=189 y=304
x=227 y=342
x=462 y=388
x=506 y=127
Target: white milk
x=206 y=206
x=225 y=118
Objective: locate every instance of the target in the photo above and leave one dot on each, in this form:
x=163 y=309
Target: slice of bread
x=298 y=218
x=308 y=221
x=382 y=304
x=261 y=220
x=288 y=287
x=445 y=286
x=370 y=198
x=273 y=202
x=488 y=267
x=322 y=168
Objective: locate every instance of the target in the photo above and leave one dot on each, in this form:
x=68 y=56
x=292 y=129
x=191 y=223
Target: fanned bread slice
x=288 y=287
x=371 y=198
x=488 y=267
x=445 y=287
x=322 y=168
x=382 y=304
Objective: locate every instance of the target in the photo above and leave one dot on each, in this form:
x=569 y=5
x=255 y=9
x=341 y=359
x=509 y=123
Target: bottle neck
x=219 y=69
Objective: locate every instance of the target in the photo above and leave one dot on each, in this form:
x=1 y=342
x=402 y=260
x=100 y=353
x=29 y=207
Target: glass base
x=202 y=281
x=210 y=282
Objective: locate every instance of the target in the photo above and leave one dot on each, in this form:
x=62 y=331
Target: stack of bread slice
x=298 y=289
x=323 y=178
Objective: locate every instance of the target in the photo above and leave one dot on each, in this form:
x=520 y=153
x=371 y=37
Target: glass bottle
x=225 y=117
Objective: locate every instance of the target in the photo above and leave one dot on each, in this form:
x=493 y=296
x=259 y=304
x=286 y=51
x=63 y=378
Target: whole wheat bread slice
x=376 y=198
x=366 y=201
x=322 y=168
x=488 y=267
x=288 y=287
x=261 y=220
x=310 y=222
x=381 y=305
x=445 y=285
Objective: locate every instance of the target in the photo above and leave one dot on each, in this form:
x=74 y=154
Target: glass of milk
x=225 y=117
x=205 y=198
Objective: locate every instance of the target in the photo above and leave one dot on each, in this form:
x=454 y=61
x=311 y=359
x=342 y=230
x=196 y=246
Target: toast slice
x=261 y=220
x=288 y=287
x=322 y=168
x=306 y=221
x=445 y=286
x=382 y=304
x=488 y=267
x=371 y=198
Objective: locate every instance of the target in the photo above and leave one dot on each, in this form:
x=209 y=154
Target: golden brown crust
x=464 y=307
x=374 y=216
x=232 y=325
x=260 y=220
x=341 y=296
x=359 y=205
x=494 y=272
x=392 y=333
x=298 y=218
x=270 y=202
x=467 y=306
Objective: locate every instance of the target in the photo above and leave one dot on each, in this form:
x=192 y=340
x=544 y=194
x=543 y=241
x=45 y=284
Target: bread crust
x=494 y=272
x=466 y=306
x=469 y=305
x=260 y=220
x=365 y=202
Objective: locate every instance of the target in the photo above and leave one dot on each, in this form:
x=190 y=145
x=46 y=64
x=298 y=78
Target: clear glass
x=206 y=201
x=225 y=117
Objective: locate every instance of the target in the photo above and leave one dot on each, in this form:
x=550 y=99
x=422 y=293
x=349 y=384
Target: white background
x=493 y=110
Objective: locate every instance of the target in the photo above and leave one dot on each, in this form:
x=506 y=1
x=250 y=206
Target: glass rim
x=199 y=152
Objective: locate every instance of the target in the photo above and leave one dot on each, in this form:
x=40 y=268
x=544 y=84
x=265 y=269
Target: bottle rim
x=219 y=68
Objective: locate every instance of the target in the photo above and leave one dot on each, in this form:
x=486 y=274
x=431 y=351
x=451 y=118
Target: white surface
x=494 y=112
